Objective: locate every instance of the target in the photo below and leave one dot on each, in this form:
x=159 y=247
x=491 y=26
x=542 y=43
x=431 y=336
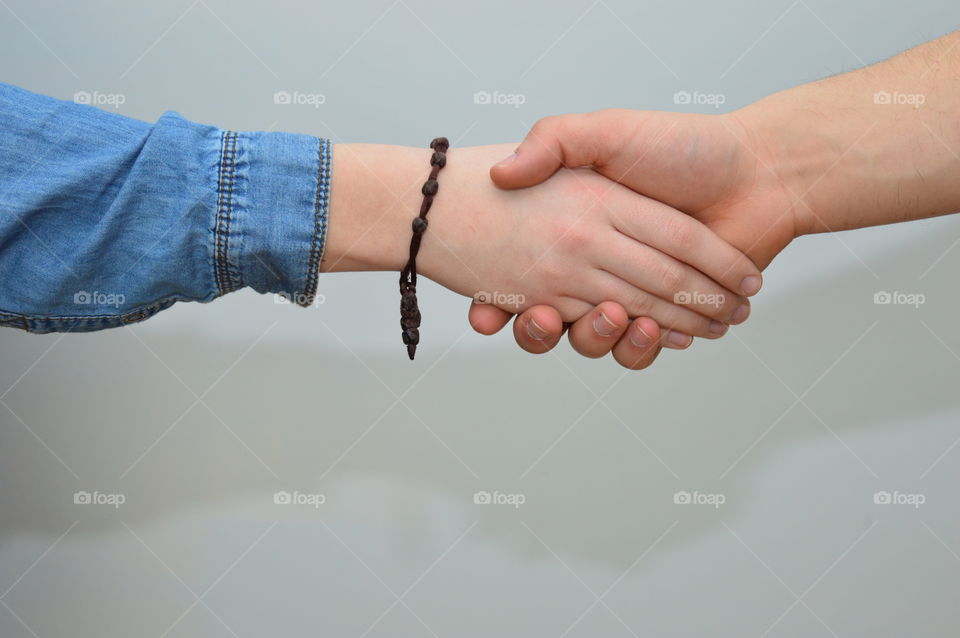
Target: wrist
x=465 y=224
x=374 y=198
x=865 y=148
x=376 y=194
x=795 y=151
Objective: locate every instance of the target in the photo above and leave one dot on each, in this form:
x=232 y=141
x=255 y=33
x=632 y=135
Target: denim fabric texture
x=106 y=220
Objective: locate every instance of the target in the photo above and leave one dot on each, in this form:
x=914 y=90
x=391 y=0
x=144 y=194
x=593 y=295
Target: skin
x=828 y=156
x=570 y=243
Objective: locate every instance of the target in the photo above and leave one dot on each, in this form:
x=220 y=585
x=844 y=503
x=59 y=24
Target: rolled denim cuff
x=271 y=213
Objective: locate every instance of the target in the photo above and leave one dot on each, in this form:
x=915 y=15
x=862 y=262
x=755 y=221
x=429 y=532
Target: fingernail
x=717 y=327
x=640 y=338
x=750 y=285
x=603 y=326
x=678 y=339
x=536 y=332
x=508 y=160
x=740 y=314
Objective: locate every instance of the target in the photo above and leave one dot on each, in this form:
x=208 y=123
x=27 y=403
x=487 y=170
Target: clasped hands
x=638 y=230
x=670 y=225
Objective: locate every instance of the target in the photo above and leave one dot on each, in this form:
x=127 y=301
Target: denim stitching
x=216 y=227
x=320 y=207
x=46 y=324
x=11 y=320
x=224 y=207
x=226 y=235
x=328 y=159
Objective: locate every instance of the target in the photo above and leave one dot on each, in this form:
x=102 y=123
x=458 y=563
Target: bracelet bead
x=430 y=187
x=409 y=310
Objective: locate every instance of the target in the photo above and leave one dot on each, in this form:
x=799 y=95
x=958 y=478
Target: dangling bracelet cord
x=409 y=311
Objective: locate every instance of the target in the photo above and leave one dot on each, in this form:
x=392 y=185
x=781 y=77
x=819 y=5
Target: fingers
x=640 y=303
x=635 y=345
x=640 y=346
x=538 y=329
x=669 y=279
x=683 y=237
x=576 y=140
x=595 y=334
x=487 y=319
x=596 y=139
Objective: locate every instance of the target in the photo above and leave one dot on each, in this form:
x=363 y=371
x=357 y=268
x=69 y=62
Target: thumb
x=561 y=140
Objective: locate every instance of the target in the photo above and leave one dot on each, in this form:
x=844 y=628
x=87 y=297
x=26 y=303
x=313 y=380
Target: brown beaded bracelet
x=409 y=311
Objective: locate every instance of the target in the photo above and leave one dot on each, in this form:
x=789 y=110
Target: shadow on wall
x=317 y=417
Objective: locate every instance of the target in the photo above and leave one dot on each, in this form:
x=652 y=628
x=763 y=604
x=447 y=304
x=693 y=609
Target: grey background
x=199 y=416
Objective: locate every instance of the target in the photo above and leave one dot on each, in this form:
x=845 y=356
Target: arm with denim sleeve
x=105 y=220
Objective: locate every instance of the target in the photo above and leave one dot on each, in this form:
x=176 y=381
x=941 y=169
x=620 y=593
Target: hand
x=570 y=243
x=711 y=167
x=574 y=242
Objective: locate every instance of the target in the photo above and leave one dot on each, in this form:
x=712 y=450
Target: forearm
x=874 y=146
x=107 y=220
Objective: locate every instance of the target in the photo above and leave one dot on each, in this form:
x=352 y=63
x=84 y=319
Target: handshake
x=638 y=230
x=635 y=230
x=661 y=225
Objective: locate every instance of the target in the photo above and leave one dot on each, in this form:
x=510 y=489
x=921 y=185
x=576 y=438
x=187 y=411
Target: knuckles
x=672 y=277
x=681 y=234
x=546 y=126
x=640 y=304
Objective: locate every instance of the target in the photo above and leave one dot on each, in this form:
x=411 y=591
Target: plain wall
x=200 y=416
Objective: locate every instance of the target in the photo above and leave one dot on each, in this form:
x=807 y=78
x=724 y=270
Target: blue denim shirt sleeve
x=106 y=220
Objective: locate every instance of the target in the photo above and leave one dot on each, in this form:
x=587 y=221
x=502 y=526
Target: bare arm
x=873 y=146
